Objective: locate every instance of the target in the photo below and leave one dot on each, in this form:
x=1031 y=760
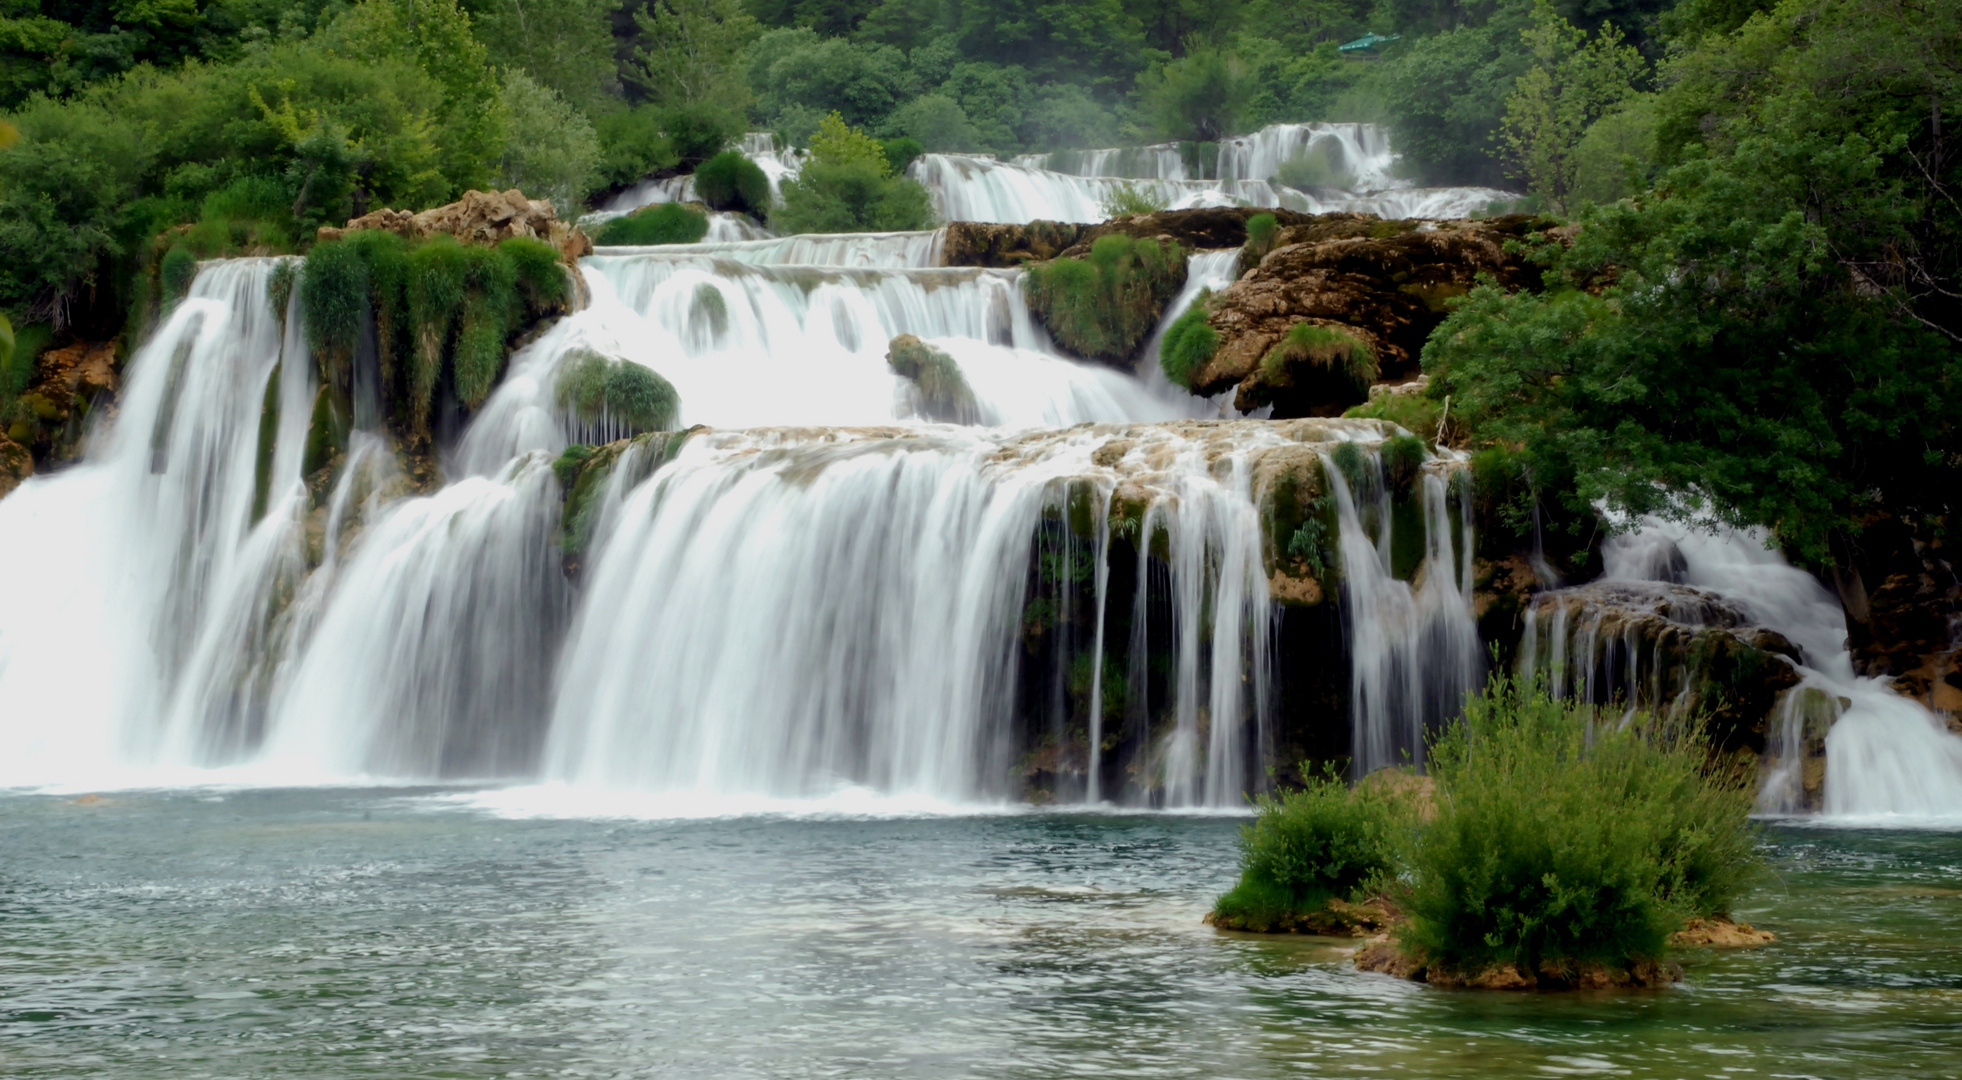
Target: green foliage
x=633 y=144
x=176 y=271
x=1325 y=841
x=847 y=186
x=1262 y=233
x=1561 y=838
x=615 y=396
x=662 y=223
x=334 y=297
x=550 y=150
x=1201 y=96
x=1128 y=198
x=1787 y=355
x=901 y=152
x=1416 y=413
x=1445 y=97
x=691 y=51
x=937 y=122
x=23 y=347
x=1309 y=541
x=1318 y=166
x=566 y=46
x=1570 y=83
x=730 y=181
x=1615 y=159
x=568 y=464
x=1189 y=343
x=1104 y=307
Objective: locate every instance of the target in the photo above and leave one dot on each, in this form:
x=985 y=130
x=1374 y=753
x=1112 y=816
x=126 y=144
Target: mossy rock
x=1103 y=307
x=940 y=391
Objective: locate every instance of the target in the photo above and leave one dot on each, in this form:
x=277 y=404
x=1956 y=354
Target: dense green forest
x=1761 y=308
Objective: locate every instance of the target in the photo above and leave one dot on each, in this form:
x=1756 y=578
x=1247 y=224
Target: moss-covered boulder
x=480 y=217
x=939 y=390
x=1103 y=306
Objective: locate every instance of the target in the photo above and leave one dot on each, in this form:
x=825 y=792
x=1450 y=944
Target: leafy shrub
x=1419 y=414
x=1563 y=836
x=1132 y=199
x=662 y=223
x=855 y=196
x=901 y=152
x=1105 y=306
x=1262 y=231
x=730 y=181
x=1324 y=842
x=633 y=144
x=1189 y=343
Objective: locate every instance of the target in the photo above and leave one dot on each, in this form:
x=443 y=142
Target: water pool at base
x=364 y=933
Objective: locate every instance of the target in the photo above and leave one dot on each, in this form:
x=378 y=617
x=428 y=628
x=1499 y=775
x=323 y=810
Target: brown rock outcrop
x=1381 y=954
x=1721 y=933
x=1389 y=282
x=974 y=243
x=480 y=217
x=69 y=383
x=16 y=465
x=1004 y=247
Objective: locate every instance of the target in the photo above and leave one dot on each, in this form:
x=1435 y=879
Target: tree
x=1198 y=97
x=565 y=45
x=847 y=186
x=551 y=152
x=691 y=51
x=1571 y=82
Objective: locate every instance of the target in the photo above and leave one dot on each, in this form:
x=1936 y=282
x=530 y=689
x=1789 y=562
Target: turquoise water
x=396 y=934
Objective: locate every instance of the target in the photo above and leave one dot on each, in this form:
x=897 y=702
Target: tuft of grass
x=1104 y=307
x=662 y=223
x=1332 y=349
x=1403 y=459
x=177 y=270
x=1189 y=343
x=1262 y=231
x=614 y=398
x=1562 y=835
x=1132 y=199
x=1326 y=841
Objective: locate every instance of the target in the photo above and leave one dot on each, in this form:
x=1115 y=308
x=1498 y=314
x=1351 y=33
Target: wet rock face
x=973 y=243
x=1662 y=647
x=1004 y=247
x=69 y=385
x=480 y=217
x=1389 y=283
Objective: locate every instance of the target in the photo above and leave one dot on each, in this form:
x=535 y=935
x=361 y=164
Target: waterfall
x=862 y=250
x=1414 y=648
x=1887 y=758
x=778 y=164
x=1075 y=185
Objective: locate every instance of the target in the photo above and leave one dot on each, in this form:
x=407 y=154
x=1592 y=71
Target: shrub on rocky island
x=1103 y=307
x=1567 y=847
x=940 y=391
x=1312 y=857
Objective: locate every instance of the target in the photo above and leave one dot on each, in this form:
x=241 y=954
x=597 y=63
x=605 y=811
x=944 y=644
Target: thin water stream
x=350 y=933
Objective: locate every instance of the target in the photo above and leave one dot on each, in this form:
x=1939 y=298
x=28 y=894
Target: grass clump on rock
x=662 y=223
x=1567 y=847
x=1262 y=231
x=1103 y=307
x=1311 y=856
x=940 y=391
x=607 y=399
x=1189 y=343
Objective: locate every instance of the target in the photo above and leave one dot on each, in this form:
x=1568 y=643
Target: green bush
x=901 y=152
x=730 y=181
x=1104 y=307
x=1189 y=343
x=1318 y=166
x=852 y=196
x=1565 y=836
x=176 y=271
x=1262 y=231
x=662 y=223
x=633 y=144
x=1403 y=459
x=1324 y=842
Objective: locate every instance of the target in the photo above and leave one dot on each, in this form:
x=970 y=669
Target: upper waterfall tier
x=1074 y=185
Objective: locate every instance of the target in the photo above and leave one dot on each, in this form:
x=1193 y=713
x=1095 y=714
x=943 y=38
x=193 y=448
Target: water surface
x=364 y=933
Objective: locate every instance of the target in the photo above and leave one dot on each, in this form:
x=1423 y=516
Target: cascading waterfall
x=1414 y=648
x=1886 y=756
x=778 y=164
x=1076 y=185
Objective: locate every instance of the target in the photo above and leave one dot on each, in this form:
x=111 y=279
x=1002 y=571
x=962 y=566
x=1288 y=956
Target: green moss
x=1126 y=199
x=1348 y=459
x=710 y=314
x=279 y=289
x=326 y=432
x=662 y=223
x=1333 y=350
x=730 y=181
x=268 y=442
x=1403 y=460
x=569 y=464
x=1415 y=413
x=1189 y=343
x=943 y=391
x=334 y=295
x=1104 y=307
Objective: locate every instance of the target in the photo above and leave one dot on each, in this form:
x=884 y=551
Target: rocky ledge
x=480 y=217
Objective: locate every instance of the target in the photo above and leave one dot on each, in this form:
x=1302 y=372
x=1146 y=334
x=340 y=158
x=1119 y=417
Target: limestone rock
x=1388 y=282
x=981 y=244
x=16 y=465
x=1721 y=933
x=480 y=217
